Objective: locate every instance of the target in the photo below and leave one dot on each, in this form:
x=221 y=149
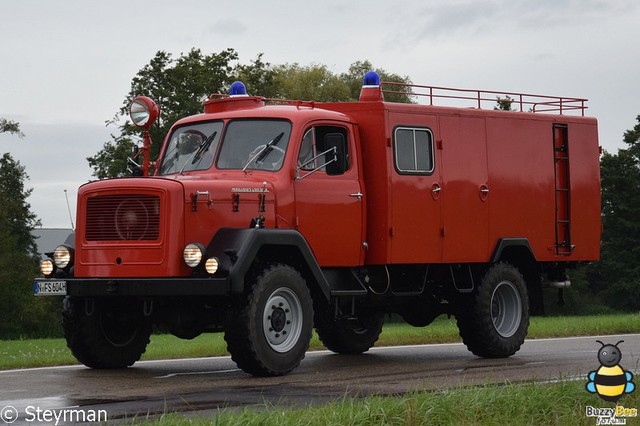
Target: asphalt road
x=206 y=384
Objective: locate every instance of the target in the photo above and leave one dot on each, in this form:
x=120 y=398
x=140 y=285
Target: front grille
x=123 y=217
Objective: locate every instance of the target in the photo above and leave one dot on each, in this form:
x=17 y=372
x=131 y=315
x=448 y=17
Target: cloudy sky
x=67 y=65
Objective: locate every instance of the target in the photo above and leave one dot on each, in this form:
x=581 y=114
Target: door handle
x=484 y=192
x=435 y=191
x=358 y=195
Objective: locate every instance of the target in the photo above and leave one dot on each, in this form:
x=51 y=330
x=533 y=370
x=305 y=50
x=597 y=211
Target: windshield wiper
x=262 y=154
x=198 y=153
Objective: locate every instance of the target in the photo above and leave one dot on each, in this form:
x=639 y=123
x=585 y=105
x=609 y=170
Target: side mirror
x=336 y=155
x=133 y=166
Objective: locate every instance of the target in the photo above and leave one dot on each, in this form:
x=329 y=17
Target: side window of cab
x=323 y=149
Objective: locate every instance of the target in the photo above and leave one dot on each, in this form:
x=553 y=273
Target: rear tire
x=268 y=331
x=494 y=324
x=105 y=334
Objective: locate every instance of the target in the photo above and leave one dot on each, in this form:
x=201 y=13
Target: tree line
x=180 y=85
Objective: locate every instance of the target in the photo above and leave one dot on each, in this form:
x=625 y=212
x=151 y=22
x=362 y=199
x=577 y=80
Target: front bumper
x=142 y=287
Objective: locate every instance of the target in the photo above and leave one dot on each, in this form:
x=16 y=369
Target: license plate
x=50 y=288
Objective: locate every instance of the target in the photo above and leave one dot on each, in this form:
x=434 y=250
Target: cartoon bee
x=610 y=381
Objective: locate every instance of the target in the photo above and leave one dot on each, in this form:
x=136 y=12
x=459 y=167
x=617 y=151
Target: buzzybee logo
x=610 y=382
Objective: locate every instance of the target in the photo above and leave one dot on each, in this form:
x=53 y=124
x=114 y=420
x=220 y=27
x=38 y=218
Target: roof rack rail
x=297 y=103
x=446 y=96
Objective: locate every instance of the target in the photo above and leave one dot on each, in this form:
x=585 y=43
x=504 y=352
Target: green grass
x=34 y=353
x=47 y=352
x=509 y=404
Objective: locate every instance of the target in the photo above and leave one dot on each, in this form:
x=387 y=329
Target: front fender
x=236 y=249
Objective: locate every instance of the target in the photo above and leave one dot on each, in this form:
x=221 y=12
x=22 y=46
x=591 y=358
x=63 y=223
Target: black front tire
x=494 y=322
x=269 y=329
x=105 y=334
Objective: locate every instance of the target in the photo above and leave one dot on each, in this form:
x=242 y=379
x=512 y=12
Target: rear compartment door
x=465 y=189
x=415 y=232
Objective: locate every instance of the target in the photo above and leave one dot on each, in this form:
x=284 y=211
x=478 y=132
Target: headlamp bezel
x=63 y=257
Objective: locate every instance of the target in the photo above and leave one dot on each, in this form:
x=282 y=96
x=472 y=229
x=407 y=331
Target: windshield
x=254 y=145
x=191 y=148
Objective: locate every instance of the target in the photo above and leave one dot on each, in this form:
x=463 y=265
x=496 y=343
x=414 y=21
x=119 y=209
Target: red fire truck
x=266 y=219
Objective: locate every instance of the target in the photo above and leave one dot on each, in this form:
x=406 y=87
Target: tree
x=259 y=77
x=7 y=126
x=20 y=313
x=17 y=218
x=313 y=82
x=616 y=278
x=357 y=70
x=503 y=104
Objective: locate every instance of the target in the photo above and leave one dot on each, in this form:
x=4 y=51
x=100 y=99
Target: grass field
x=47 y=352
x=509 y=404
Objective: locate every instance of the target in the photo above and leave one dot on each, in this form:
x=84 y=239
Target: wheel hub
x=278 y=320
x=506 y=309
x=282 y=320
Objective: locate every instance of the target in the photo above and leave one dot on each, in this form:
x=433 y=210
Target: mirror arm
x=137 y=168
x=333 y=160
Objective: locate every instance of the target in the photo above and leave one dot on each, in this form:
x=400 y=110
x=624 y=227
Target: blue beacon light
x=371 y=90
x=238 y=89
x=371 y=78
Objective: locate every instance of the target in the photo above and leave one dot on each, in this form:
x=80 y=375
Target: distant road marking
x=196 y=373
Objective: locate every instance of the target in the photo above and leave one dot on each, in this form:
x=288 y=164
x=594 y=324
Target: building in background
x=47 y=239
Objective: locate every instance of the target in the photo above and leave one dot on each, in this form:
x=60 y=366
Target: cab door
x=329 y=199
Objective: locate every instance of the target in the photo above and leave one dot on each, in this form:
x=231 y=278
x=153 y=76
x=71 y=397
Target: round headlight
x=46 y=267
x=211 y=265
x=143 y=111
x=192 y=254
x=62 y=256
